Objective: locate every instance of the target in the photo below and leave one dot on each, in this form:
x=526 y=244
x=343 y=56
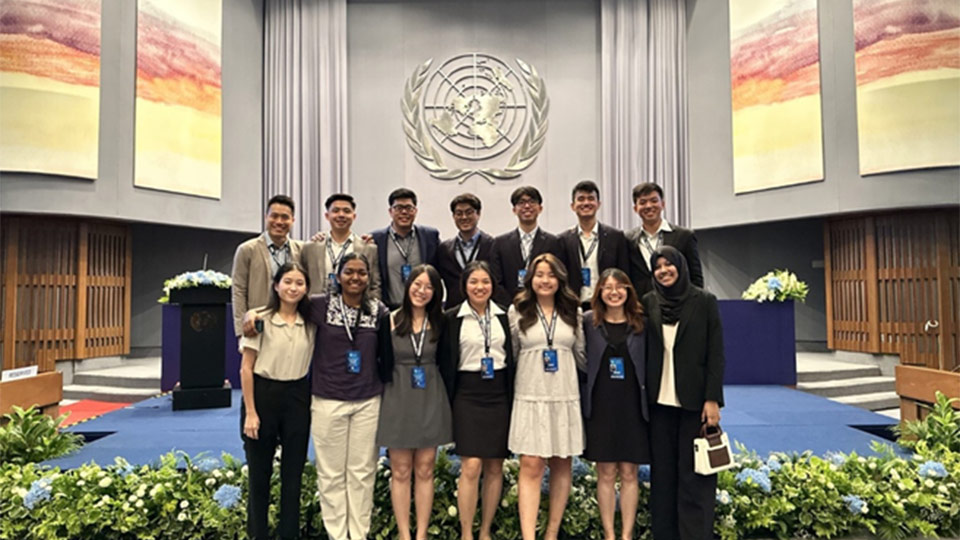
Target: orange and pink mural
x=775 y=84
x=908 y=83
x=50 y=86
x=178 y=105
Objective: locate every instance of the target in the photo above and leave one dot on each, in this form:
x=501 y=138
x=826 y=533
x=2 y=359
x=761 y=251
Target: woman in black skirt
x=613 y=398
x=476 y=363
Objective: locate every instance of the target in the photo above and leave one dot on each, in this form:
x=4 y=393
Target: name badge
x=332 y=281
x=353 y=361
x=616 y=367
x=521 y=274
x=405 y=271
x=418 y=378
x=550 y=363
x=486 y=367
x=585 y=276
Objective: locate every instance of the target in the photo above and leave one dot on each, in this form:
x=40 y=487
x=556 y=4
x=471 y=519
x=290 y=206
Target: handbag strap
x=712 y=434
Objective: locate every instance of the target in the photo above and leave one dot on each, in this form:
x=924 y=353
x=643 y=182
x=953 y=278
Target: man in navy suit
x=402 y=245
x=591 y=247
x=512 y=251
x=470 y=244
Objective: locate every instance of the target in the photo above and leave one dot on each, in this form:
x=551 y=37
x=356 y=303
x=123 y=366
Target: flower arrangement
x=197 y=278
x=779 y=285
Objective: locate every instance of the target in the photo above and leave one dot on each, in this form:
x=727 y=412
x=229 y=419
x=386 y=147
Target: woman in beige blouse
x=276 y=401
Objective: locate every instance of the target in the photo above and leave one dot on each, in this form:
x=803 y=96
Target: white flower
x=943 y=489
x=452 y=511
x=210 y=481
x=243 y=469
x=181 y=516
x=80 y=483
x=101 y=474
x=139 y=503
x=168 y=485
x=872 y=465
x=229 y=474
x=184 y=504
x=894 y=474
x=901 y=487
x=126 y=507
x=896 y=496
x=928 y=482
x=217 y=473
x=829 y=485
x=864 y=509
x=503 y=503
x=142 y=490
x=155 y=489
x=22 y=492
x=861 y=460
x=132 y=498
x=105 y=482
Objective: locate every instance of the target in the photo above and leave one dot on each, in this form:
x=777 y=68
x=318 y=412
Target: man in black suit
x=470 y=244
x=512 y=251
x=402 y=245
x=591 y=247
x=653 y=233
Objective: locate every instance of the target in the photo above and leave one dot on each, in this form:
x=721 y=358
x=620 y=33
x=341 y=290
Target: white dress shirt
x=471 y=339
x=586 y=240
x=648 y=243
x=668 y=379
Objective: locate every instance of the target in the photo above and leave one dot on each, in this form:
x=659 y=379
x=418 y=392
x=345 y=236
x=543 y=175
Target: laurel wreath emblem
x=432 y=160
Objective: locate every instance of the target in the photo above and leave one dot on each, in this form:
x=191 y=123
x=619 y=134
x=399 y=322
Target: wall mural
x=50 y=86
x=908 y=83
x=775 y=77
x=178 y=106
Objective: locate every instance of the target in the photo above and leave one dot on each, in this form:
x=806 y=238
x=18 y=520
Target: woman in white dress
x=545 y=425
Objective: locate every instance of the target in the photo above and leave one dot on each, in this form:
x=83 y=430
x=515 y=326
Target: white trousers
x=344 y=439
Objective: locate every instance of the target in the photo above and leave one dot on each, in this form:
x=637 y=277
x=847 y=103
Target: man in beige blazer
x=258 y=259
x=321 y=257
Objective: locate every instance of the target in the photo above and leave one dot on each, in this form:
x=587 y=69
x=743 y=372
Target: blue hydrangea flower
x=545 y=482
x=643 y=473
x=835 y=458
x=755 y=477
x=774 y=464
x=765 y=470
x=38 y=493
x=455 y=465
x=855 y=504
x=125 y=470
x=774 y=284
x=723 y=497
x=580 y=468
x=227 y=496
x=207 y=465
x=932 y=469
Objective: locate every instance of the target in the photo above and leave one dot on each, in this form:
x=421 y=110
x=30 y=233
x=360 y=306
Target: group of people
x=594 y=342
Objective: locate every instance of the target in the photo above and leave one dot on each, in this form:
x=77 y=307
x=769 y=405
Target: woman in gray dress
x=415 y=414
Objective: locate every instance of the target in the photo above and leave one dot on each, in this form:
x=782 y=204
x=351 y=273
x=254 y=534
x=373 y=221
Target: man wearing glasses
x=513 y=251
x=402 y=245
x=470 y=244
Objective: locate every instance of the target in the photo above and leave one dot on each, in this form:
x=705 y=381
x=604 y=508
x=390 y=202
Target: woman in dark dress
x=685 y=385
x=477 y=367
x=613 y=398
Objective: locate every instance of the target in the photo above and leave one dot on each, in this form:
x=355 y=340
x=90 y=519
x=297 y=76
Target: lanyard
x=335 y=261
x=524 y=251
x=405 y=253
x=351 y=335
x=281 y=250
x=646 y=242
x=484 y=324
x=548 y=330
x=417 y=341
x=464 y=260
x=586 y=254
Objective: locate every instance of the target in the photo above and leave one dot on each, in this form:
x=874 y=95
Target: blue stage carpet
x=764 y=418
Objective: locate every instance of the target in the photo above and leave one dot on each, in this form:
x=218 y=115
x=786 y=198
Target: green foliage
x=897 y=498
x=939 y=432
x=30 y=436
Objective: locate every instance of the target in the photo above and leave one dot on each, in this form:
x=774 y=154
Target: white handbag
x=711 y=451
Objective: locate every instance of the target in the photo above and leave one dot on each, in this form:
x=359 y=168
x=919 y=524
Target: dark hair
x=365 y=299
x=646 y=189
x=403 y=320
x=281 y=199
x=585 y=186
x=465 y=198
x=528 y=191
x=472 y=267
x=303 y=306
x=631 y=307
x=401 y=193
x=565 y=301
x=340 y=197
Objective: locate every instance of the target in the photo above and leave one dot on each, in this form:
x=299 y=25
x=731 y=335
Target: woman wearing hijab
x=685 y=388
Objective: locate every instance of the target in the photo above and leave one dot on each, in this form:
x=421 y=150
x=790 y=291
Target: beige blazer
x=313 y=257
x=252 y=278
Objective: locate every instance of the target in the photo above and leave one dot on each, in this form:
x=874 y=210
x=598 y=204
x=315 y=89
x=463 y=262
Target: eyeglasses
x=403 y=208
x=526 y=202
x=614 y=288
x=419 y=287
x=464 y=213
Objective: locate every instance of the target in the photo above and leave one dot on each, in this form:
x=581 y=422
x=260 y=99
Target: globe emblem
x=475 y=106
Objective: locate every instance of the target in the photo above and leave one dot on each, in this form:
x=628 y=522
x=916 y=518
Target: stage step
x=809 y=371
x=130 y=382
x=848 y=386
x=860 y=385
x=874 y=402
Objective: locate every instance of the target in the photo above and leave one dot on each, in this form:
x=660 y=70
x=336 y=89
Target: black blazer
x=449 y=359
x=507 y=260
x=683 y=239
x=697 y=353
x=611 y=252
x=449 y=267
x=596 y=344
x=428 y=240
x=385 y=347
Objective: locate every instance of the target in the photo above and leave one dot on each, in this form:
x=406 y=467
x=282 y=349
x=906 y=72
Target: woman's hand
x=249 y=323
x=251 y=426
x=711 y=413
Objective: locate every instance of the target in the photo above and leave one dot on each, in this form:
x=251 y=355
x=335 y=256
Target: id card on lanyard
x=418 y=377
x=332 y=283
x=486 y=363
x=550 y=361
x=354 y=358
x=584 y=256
x=405 y=268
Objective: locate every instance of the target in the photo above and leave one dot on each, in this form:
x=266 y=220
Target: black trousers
x=284 y=411
x=681 y=501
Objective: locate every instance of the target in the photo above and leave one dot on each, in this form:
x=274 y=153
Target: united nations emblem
x=476 y=108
